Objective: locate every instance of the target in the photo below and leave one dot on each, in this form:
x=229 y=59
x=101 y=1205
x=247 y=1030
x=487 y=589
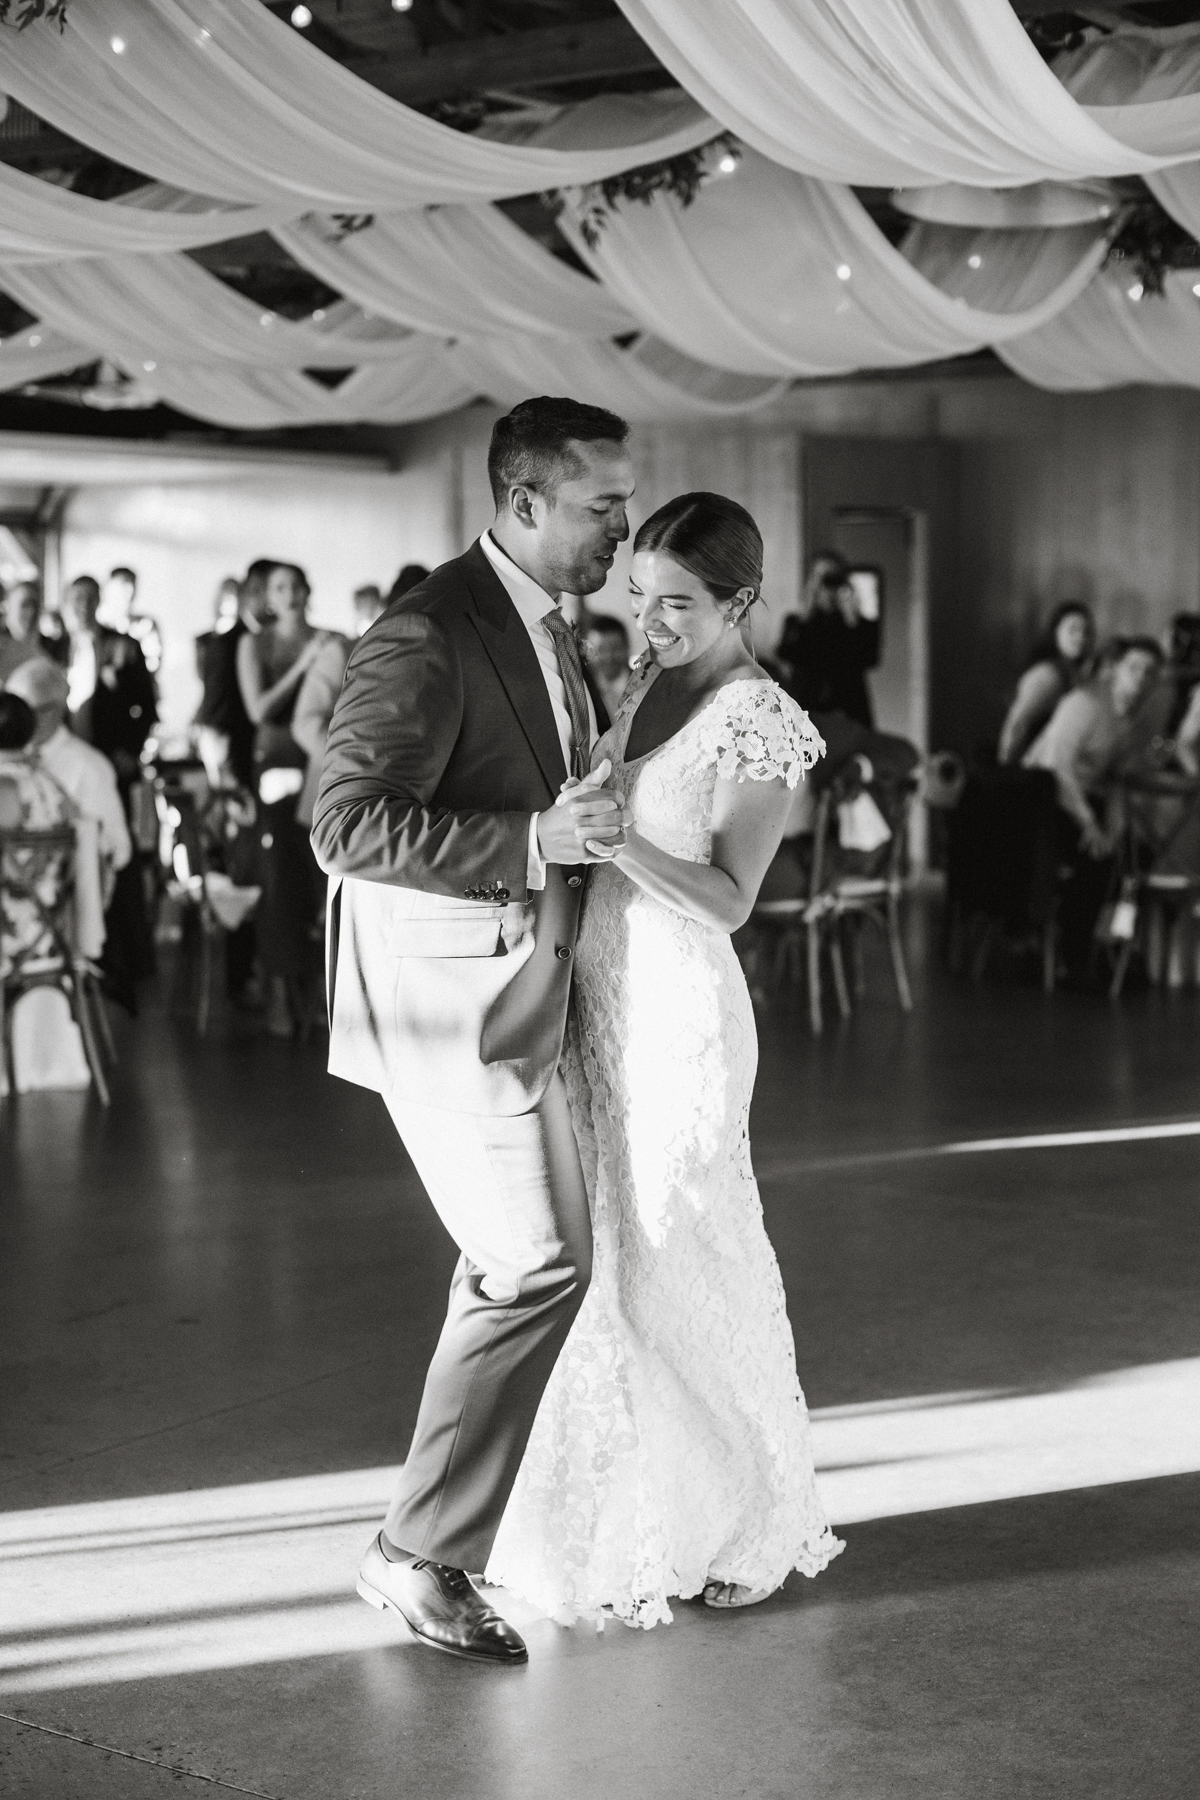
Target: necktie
x=571 y=670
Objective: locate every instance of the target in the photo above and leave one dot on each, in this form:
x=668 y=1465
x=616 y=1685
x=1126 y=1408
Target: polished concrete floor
x=216 y=1303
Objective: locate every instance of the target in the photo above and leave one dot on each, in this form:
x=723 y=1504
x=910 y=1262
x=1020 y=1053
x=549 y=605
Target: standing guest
x=87 y=777
x=21 y=638
x=112 y=706
x=119 y=610
x=1092 y=735
x=368 y=604
x=410 y=576
x=225 y=730
x=314 y=709
x=112 y=698
x=225 y=617
x=606 y=655
x=829 y=645
x=1060 y=660
x=271 y=667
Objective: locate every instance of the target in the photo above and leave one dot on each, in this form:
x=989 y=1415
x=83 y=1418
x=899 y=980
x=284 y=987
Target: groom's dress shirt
x=533 y=603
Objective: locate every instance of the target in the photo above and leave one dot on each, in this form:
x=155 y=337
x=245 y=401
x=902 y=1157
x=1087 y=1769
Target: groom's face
x=579 y=525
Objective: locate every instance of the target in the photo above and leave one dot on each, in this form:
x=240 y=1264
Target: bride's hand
x=596 y=779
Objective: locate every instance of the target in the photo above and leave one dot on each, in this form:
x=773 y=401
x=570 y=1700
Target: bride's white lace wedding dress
x=672 y=1444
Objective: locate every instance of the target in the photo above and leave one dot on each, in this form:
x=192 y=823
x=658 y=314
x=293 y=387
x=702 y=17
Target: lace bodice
x=749 y=731
x=672 y=1440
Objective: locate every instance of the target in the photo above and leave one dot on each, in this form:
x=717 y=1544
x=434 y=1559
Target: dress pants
x=511 y=1193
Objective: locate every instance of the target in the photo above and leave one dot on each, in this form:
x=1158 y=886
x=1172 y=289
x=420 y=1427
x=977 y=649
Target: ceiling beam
x=598 y=50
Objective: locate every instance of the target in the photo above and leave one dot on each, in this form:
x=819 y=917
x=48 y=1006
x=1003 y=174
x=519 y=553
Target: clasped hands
x=587 y=822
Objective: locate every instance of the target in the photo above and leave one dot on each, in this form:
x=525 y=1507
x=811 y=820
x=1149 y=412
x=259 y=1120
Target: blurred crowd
x=1115 y=726
x=78 y=716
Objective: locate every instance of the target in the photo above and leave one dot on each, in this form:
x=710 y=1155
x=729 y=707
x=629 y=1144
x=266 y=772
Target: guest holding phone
x=832 y=642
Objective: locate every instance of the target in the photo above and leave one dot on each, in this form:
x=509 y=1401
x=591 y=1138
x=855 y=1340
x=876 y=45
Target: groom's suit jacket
x=448 y=976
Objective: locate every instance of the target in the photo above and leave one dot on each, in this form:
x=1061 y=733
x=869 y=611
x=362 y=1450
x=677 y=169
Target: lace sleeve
x=760 y=734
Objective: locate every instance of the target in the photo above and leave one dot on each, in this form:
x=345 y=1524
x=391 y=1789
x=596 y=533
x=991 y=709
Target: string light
x=975 y=262
x=319 y=314
x=34 y=341
x=1136 y=291
x=266 y=318
x=301 y=18
x=118 y=46
x=1196 y=290
x=728 y=163
x=843 y=271
x=149 y=367
x=402 y=5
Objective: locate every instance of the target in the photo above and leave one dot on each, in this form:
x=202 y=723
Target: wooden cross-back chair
x=37 y=873
x=839 y=896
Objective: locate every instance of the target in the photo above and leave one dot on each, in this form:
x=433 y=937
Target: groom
x=455 y=885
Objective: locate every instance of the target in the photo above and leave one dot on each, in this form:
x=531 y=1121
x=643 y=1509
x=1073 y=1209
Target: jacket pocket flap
x=445 y=937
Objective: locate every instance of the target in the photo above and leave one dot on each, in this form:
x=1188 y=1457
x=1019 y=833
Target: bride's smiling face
x=680 y=616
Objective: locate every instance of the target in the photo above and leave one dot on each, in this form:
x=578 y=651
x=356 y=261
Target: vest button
x=562 y=953
x=574 y=880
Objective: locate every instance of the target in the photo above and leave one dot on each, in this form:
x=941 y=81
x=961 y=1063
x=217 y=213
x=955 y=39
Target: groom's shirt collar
x=530 y=600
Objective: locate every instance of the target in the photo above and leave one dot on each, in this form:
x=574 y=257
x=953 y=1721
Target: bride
x=671 y=1455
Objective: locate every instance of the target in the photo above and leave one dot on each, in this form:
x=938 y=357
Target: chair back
x=37 y=893
x=1003 y=847
x=832 y=863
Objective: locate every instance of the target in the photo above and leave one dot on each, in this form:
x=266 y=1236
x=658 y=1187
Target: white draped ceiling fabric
x=1114 y=334
x=456 y=270
x=770 y=273
x=40 y=222
x=776 y=272
x=903 y=92
x=220 y=97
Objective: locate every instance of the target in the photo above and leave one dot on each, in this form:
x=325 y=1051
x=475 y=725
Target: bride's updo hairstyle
x=712 y=537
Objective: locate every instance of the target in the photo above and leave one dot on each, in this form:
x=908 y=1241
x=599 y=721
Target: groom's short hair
x=531 y=445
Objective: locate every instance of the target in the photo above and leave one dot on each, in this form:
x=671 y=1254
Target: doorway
x=894 y=540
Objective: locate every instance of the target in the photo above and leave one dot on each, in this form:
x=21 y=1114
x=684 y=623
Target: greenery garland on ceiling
x=681 y=177
x=1148 y=243
x=20 y=13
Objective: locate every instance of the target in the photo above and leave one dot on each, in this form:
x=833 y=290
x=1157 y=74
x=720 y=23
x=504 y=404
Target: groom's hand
x=584 y=809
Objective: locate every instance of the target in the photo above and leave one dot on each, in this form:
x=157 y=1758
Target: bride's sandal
x=733 y=1593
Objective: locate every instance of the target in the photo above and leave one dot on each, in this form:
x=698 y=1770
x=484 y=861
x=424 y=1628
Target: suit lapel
x=515 y=661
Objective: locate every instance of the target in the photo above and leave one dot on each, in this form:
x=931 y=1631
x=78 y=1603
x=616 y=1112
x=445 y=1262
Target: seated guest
x=369 y=603
x=410 y=576
x=1171 y=714
x=30 y=800
x=829 y=646
x=21 y=638
x=87 y=778
x=606 y=658
x=271 y=666
x=1059 y=661
x=1092 y=736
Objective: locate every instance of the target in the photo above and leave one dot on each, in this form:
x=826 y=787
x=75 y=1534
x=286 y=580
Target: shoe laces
x=457 y=1580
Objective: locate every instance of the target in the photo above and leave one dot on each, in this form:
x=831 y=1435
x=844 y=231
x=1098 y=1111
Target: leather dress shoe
x=440 y=1607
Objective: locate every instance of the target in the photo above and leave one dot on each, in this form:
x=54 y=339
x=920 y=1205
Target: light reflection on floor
x=129 y=1589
